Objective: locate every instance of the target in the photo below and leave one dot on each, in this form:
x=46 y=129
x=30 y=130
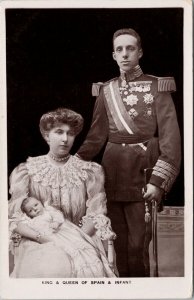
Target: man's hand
x=153 y=193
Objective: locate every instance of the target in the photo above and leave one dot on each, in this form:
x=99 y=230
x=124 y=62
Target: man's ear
x=114 y=55
x=140 y=54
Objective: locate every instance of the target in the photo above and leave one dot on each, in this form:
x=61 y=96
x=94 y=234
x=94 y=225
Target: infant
x=44 y=219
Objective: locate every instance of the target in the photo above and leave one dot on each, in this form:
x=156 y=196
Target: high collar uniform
x=146 y=106
x=135 y=117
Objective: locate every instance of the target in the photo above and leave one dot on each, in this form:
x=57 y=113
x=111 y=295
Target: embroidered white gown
x=77 y=189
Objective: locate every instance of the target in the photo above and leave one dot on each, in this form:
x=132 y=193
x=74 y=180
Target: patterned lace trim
x=72 y=173
x=102 y=225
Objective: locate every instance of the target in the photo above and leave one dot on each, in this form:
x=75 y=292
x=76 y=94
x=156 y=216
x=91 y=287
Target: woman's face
x=60 y=140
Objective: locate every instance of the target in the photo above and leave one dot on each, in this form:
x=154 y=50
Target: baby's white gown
x=77 y=189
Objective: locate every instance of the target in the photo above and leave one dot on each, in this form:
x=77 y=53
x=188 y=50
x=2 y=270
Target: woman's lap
x=57 y=259
x=42 y=260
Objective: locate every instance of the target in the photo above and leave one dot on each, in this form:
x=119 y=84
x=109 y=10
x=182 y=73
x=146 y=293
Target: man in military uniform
x=135 y=116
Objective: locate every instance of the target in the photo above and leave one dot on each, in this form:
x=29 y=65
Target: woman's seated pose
x=67 y=194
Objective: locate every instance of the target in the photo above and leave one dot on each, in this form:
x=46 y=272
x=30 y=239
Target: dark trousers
x=133 y=238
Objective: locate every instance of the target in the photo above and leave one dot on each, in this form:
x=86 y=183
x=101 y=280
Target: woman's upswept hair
x=61 y=116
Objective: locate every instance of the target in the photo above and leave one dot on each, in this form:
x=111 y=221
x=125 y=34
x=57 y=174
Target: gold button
x=123 y=144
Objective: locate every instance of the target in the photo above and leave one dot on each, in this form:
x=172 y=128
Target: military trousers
x=133 y=238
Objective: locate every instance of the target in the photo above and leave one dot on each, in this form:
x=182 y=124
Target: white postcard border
x=146 y=288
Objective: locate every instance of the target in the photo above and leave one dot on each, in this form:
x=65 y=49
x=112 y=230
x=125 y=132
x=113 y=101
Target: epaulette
x=165 y=84
x=96 y=86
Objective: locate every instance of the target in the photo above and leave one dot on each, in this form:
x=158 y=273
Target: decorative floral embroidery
x=16 y=239
x=131 y=100
x=133 y=113
x=148 y=98
x=73 y=173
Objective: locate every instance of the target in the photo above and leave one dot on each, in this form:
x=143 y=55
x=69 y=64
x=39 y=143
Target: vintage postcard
x=96 y=149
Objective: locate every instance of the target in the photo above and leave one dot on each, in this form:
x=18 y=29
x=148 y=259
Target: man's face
x=126 y=52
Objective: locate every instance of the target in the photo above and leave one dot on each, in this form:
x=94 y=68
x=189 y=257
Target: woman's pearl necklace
x=59 y=159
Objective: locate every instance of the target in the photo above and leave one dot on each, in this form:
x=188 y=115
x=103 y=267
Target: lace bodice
x=73 y=173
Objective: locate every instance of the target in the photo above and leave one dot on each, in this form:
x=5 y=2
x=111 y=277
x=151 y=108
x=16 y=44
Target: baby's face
x=33 y=208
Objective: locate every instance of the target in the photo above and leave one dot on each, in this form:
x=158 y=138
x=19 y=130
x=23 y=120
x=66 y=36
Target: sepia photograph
x=96 y=150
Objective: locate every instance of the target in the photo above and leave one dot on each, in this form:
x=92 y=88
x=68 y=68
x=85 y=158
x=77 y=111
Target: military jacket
x=137 y=121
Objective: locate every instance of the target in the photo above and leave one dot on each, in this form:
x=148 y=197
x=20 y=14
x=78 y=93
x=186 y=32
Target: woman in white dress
x=74 y=187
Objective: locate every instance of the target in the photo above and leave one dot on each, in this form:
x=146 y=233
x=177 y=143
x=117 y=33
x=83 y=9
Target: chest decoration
x=148 y=98
x=131 y=100
x=132 y=87
x=148 y=113
x=133 y=113
x=138 y=98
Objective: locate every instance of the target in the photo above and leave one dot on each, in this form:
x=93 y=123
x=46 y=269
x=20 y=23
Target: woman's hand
x=153 y=193
x=88 y=227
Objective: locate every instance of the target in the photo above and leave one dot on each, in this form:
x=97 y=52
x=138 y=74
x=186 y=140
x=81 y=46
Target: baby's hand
x=55 y=225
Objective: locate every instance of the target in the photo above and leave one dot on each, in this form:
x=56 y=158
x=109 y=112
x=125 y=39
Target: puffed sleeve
x=167 y=166
x=96 y=203
x=19 y=186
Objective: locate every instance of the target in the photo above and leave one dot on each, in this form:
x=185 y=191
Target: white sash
x=126 y=126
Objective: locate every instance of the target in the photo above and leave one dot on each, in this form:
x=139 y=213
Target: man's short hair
x=128 y=31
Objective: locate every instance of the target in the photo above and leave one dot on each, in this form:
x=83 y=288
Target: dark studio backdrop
x=54 y=56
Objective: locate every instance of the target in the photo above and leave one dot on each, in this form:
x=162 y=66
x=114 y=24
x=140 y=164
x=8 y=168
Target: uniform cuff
x=163 y=175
